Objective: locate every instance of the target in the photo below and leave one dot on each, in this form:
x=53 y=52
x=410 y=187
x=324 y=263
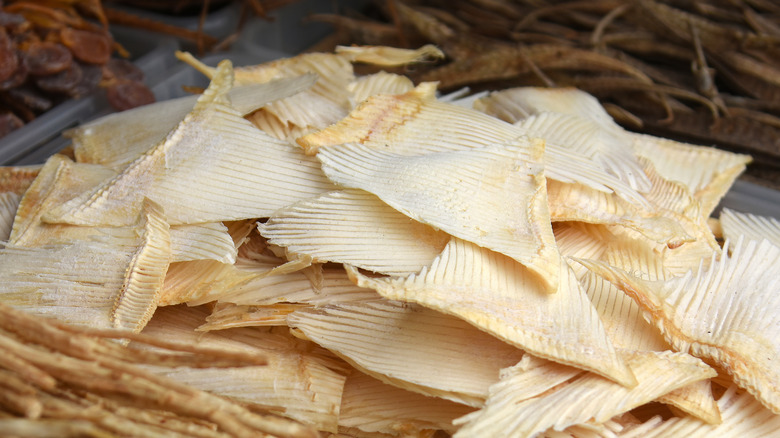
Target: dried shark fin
x=295 y=382
x=741 y=415
x=389 y=56
x=357 y=228
x=492 y=196
x=611 y=150
x=373 y=406
x=115 y=140
x=105 y=281
x=587 y=398
x=9 y=202
x=379 y=83
x=59 y=180
x=751 y=226
x=207 y=241
x=727 y=312
x=498 y=295
x=137 y=300
x=213 y=166
x=415 y=123
x=410 y=347
x=707 y=172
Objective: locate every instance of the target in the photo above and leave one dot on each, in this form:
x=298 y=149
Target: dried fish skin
x=497 y=295
x=492 y=196
x=736 y=311
x=214 y=166
x=357 y=228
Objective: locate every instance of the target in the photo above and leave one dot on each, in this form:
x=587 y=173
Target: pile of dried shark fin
x=704 y=71
x=406 y=263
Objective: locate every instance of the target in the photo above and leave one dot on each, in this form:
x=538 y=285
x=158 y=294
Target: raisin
x=129 y=94
x=46 y=58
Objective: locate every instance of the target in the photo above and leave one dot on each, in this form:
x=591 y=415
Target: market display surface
x=301 y=251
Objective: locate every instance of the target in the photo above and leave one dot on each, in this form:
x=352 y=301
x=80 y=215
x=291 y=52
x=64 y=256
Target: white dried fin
x=82 y=281
x=208 y=241
x=389 y=56
x=137 y=299
x=586 y=399
x=214 y=166
x=612 y=151
x=9 y=202
x=622 y=317
x=515 y=104
x=580 y=239
x=696 y=400
x=415 y=123
x=373 y=406
x=58 y=181
x=728 y=312
x=577 y=202
x=189 y=281
x=355 y=227
x=751 y=226
x=306 y=111
x=497 y=294
x=378 y=83
x=742 y=416
x=228 y=315
x=295 y=381
x=265 y=289
x=334 y=73
x=492 y=196
x=410 y=347
x=707 y=172
x=115 y=140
